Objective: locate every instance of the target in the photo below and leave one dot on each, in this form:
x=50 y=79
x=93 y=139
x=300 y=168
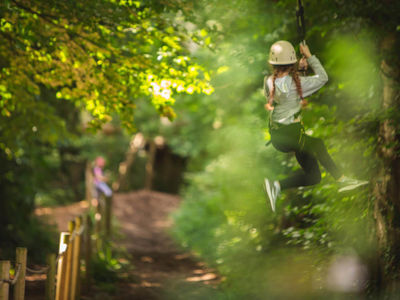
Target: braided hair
x=292 y=69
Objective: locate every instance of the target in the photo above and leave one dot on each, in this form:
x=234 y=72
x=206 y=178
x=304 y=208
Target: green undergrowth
x=109 y=266
x=225 y=218
x=111 y=263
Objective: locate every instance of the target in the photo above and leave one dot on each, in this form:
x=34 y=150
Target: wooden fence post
x=50 y=279
x=107 y=217
x=68 y=265
x=61 y=274
x=151 y=155
x=20 y=261
x=99 y=221
x=136 y=143
x=89 y=183
x=88 y=251
x=76 y=256
x=4 y=275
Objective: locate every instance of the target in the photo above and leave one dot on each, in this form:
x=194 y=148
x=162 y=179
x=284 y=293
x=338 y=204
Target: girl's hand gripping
x=305 y=50
x=303 y=65
x=269 y=107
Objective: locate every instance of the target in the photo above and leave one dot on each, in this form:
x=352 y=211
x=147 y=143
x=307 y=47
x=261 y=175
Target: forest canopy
x=102 y=56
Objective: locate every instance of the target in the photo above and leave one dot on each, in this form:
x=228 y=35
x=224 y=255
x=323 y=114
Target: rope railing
x=77 y=233
x=18 y=280
x=80 y=235
x=42 y=270
x=66 y=286
x=63 y=270
x=16 y=276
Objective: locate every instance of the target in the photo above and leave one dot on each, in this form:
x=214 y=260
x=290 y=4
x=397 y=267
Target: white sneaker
x=273 y=190
x=349 y=184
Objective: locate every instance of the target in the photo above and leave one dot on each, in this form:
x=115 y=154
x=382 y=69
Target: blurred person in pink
x=99 y=179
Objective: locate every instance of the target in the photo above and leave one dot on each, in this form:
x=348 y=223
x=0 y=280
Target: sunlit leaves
x=98 y=56
x=5 y=25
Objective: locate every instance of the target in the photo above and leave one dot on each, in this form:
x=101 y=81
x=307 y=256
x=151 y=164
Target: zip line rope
x=301 y=27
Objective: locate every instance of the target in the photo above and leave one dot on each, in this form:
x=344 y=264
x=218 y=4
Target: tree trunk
x=136 y=143
x=150 y=165
x=387 y=187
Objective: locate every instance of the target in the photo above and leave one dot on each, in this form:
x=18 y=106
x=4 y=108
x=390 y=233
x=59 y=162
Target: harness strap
x=302 y=137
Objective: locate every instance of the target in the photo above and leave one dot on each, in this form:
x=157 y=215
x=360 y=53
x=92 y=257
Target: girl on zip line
x=285 y=91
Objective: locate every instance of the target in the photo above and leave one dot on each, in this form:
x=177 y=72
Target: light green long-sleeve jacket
x=287 y=100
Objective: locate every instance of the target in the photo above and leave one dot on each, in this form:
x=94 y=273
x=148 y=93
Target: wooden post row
x=20 y=260
x=50 y=279
x=99 y=221
x=68 y=265
x=76 y=253
x=68 y=272
x=4 y=275
x=89 y=183
x=88 y=251
x=62 y=263
x=107 y=217
x=151 y=155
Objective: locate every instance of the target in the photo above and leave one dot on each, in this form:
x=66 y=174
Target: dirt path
x=161 y=270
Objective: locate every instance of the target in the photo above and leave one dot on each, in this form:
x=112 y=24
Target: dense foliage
x=68 y=66
x=226 y=218
x=102 y=56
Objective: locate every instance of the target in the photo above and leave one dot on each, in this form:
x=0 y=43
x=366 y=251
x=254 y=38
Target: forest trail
x=160 y=269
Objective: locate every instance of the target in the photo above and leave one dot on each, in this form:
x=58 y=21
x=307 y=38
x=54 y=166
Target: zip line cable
x=301 y=27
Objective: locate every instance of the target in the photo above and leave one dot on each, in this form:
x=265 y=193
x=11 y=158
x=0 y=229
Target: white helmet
x=282 y=53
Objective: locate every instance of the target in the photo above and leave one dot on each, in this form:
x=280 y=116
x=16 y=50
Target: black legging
x=308 y=151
